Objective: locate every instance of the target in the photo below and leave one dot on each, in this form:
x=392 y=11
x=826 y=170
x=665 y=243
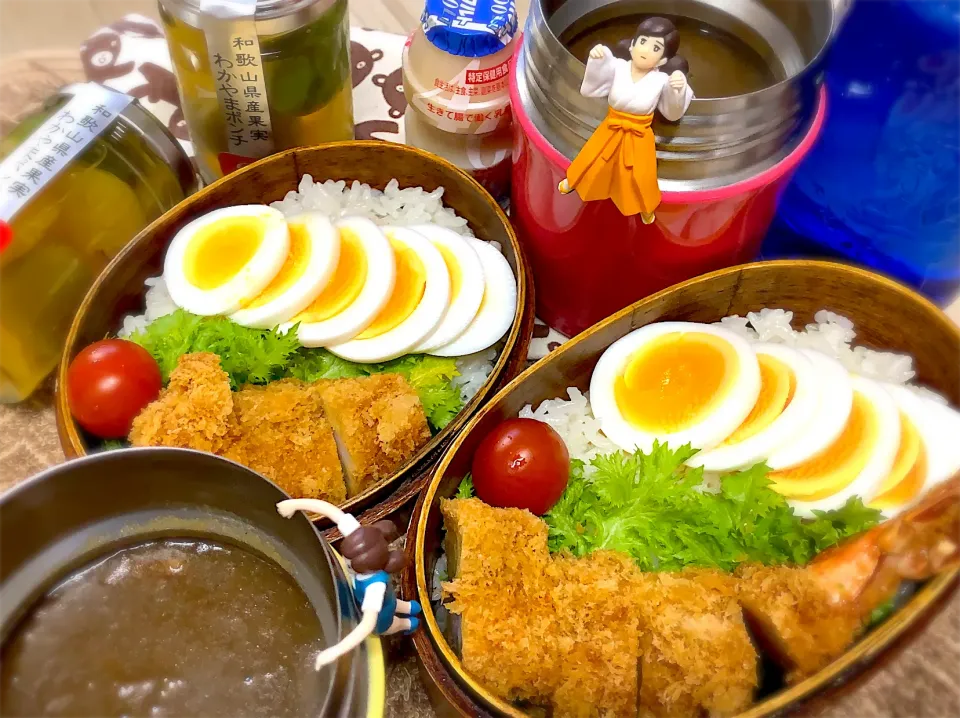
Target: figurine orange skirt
x=619 y=162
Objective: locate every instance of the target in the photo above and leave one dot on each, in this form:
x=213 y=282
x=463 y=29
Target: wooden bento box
x=886 y=315
x=119 y=290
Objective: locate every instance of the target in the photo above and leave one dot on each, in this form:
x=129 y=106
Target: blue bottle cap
x=469 y=28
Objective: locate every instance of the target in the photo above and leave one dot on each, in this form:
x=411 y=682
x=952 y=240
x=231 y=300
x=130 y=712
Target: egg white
x=463 y=307
x=497 y=310
x=381 y=275
x=723 y=421
x=324 y=243
x=834 y=399
x=247 y=283
x=939 y=428
x=795 y=416
x=883 y=454
x=423 y=320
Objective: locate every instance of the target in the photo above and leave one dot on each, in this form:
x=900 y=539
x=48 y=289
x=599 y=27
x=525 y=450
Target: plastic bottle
x=456 y=68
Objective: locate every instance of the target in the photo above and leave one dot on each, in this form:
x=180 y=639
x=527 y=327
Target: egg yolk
x=294 y=266
x=453 y=267
x=906 y=479
x=345 y=285
x=219 y=250
x=407 y=292
x=839 y=464
x=674 y=381
x=777 y=385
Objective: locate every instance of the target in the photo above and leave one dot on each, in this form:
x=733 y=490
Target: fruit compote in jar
x=260 y=76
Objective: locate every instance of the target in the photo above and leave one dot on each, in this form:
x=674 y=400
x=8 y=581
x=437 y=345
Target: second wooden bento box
x=886 y=316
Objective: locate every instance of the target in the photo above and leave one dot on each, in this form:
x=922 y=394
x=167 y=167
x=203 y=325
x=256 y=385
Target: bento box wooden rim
x=418 y=469
x=858 y=657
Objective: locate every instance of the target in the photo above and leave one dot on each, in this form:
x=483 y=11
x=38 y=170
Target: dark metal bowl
x=62 y=519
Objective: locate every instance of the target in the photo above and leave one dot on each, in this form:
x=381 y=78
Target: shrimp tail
x=867 y=570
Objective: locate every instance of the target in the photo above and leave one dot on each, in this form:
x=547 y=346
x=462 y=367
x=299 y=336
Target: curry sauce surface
x=168 y=628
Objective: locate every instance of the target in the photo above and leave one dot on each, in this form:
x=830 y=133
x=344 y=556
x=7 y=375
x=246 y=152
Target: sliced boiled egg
x=928 y=454
x=675 y=382
x=314 y=251
x=416 y=306
x=787 y=402
x=855 y=464
x=360 y=287
x=834 y=399
x=497 y=308
x=466 y=285
x=226 y=258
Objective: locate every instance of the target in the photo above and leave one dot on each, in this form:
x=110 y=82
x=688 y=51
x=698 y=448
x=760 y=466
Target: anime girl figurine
x=619 y=161
x=366 y=549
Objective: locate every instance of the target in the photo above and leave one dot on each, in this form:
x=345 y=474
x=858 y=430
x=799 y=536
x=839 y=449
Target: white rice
x=411 y=205
x=830 y=334
x=157 y=303
x=574 y=420
x=474 y=370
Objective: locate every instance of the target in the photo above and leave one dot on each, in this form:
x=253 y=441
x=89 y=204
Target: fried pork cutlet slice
x=793 y=618
x=596 y=635
x=556 y=632
x=696 y=655
x=497 y=559
x=283 y=434
x=485 y=544
x=379 y=423
x=193 y=412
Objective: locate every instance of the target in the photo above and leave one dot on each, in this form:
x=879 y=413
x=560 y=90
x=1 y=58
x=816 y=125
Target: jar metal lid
x=135 y=118
x=272 y=16
x=469 y=28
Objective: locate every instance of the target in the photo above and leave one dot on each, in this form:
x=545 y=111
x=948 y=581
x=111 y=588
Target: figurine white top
x=610 y=77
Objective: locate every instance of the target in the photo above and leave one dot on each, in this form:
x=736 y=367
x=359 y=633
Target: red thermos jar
x=758 y=110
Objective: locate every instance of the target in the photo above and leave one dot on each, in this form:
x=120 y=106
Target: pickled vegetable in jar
x=81 y=178
x=260 y=76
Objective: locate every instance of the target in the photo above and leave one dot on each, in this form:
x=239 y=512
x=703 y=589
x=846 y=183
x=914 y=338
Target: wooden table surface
x=38 y=41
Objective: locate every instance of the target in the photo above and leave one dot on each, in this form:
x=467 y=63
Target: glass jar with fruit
x=81 y=177
x=263 y=76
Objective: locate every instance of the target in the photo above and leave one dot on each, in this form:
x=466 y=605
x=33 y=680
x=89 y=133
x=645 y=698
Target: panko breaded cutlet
x=285 y=429
x=484 y=544
x=575 y=633
x=194 y=411
x=496 y=559
x=596 y=635
x=554 y=631
x=696 y=655
x=284 y=435
x=794 y=619
x=379 y=423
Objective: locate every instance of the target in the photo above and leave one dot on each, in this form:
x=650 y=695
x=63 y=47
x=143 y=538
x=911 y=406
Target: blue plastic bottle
x=882 y=187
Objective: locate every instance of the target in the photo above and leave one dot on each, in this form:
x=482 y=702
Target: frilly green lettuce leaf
x=655 y=509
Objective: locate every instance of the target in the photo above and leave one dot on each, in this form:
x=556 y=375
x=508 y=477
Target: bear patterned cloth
x=131 y=56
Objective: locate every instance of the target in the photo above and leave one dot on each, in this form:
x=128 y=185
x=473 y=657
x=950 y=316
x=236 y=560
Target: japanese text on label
x=237 y=67
x=55 y=143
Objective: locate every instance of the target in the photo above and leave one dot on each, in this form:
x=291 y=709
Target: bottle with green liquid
x=260 y=76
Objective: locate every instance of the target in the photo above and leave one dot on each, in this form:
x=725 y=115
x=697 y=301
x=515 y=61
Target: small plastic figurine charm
x=619 y=161
x=366 y=549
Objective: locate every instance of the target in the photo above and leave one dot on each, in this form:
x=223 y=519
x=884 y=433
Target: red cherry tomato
x=109 y=383
x=524 y=464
